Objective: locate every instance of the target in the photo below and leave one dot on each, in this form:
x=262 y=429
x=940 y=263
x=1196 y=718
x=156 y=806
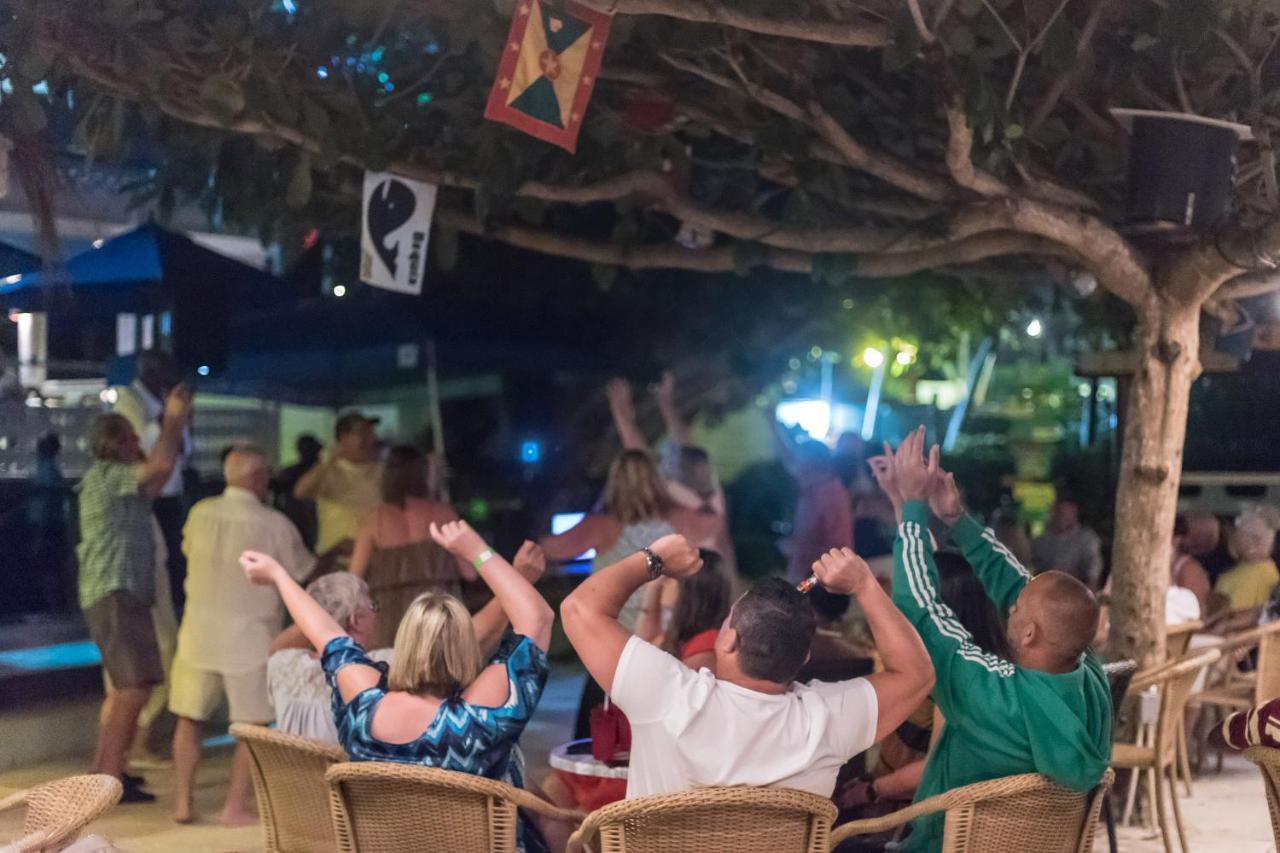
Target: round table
x=593 y=783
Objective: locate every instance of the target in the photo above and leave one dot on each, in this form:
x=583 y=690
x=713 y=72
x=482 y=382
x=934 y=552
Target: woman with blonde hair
x=438 y=703
x=636 y=511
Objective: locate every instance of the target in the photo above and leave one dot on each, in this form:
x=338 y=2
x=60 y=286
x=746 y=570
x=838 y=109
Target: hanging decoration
x=394 y=231
x=648 y=111
x=548 y=69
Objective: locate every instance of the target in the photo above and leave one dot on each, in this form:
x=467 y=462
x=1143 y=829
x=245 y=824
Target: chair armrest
x=902 y=817
x=14 y=799
x=964 y=796
x=534 y=803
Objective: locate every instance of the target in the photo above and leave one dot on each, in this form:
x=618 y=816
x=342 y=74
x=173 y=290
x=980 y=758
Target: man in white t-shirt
x=751 y=725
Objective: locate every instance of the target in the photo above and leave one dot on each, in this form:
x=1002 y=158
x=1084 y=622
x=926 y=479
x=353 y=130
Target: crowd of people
x=968 y=666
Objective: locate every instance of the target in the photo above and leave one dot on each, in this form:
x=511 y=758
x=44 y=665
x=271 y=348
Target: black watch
x=656 y=566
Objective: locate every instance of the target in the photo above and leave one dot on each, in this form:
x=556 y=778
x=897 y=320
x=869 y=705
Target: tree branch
x=1243 y=258
x=1063 y=80
x=864 y=32
x=960 y=156
x=724 y=259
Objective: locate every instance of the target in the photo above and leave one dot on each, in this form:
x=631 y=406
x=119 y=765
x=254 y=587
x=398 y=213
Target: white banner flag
x=395 y=228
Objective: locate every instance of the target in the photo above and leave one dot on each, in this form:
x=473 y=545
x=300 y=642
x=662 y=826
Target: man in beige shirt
x=347 y=486
x=229 y=624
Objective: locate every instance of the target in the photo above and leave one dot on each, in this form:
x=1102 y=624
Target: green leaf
x=969 y=8
x=315 y=118
x=33 y=65
x=299 y=191
x=1059 y=47
x=961 y=40
x=445 y=245
x=1186 y=23
x=906 y=42
x=1013 y=132
x=223 y=96
x=1144 y=41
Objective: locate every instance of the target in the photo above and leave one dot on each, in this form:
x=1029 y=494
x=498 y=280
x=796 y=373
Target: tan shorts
x=125 y=634
x=197 y=693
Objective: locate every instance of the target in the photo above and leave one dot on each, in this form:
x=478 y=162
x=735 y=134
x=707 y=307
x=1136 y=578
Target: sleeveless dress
x=463 y=737
x=398 y=575
x=634 y=537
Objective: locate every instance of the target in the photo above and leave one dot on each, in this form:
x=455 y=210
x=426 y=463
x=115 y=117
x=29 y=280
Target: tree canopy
x=825 y=137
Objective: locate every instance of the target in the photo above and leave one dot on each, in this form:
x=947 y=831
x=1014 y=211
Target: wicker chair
x=288 y=777
x=382 y=807
x=739 y=818
x=57 y=811
x=1268 y=760
x=1177 y=638
x=1006 y=815
x=1176 y=645
x=1173 y=681
x=1230 y=690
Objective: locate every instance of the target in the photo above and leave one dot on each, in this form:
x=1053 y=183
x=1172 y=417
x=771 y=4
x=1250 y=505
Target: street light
x=340 y=290
x=1035 y=328
x=872 y=357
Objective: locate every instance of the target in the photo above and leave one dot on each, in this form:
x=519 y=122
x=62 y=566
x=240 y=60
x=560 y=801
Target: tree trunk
x=1168 y=341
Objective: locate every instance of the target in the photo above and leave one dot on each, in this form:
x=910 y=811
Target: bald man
x=229 y=624
x=1048 y=708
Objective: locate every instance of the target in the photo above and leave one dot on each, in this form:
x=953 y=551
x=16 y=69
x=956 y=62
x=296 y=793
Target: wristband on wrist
x=483 y=557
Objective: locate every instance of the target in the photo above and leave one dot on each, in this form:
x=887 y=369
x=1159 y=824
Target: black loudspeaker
x=1181 y=169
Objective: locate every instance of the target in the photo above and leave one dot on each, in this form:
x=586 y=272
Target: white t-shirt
x=689 y=729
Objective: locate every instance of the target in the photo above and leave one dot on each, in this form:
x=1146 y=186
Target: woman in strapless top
x=394 y=551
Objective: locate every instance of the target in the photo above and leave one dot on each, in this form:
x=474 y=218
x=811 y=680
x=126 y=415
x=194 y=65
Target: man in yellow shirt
x=347 y=486
x=1250 y=583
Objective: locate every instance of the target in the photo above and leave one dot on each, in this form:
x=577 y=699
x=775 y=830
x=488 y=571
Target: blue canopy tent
x=15 y=261
x=191 y=290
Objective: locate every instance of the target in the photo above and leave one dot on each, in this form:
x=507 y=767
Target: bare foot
x=185 y=813
x=236 y=817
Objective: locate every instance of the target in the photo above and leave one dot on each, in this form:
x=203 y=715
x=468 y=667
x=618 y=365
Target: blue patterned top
x=464 y=737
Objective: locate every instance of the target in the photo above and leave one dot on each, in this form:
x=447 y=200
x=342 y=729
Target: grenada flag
x=548 y=69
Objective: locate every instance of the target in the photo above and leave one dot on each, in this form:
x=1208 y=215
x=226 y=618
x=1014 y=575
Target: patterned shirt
x=116 y=551
x=467 y=738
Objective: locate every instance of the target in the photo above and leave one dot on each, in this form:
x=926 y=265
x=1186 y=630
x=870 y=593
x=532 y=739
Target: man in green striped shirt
x=1048 y=710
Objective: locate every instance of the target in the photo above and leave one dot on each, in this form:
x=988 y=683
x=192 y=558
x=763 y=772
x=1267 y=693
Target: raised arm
x=908 y=676
x=590 y=613
x=310 y=618
x=154 y=473
x=362 y=552
x=664 y=393
x=624 y=414
x=529 y=613
x=490 y=622
x=962 y=668
x=308 y=486
x=1001 y=574
x=589 y=533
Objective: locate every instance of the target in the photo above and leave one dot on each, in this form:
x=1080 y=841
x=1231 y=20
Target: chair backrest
x=738 y=818
x=1178 y=638
x=1268 y=760
x=1119 y=674
x=381 y=807
x=293 y=798
x=1025 y=813
x=58 y=810
x=1174 y=680
x=1268 y=683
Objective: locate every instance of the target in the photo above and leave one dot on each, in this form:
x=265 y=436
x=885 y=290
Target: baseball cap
x=352 y=420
